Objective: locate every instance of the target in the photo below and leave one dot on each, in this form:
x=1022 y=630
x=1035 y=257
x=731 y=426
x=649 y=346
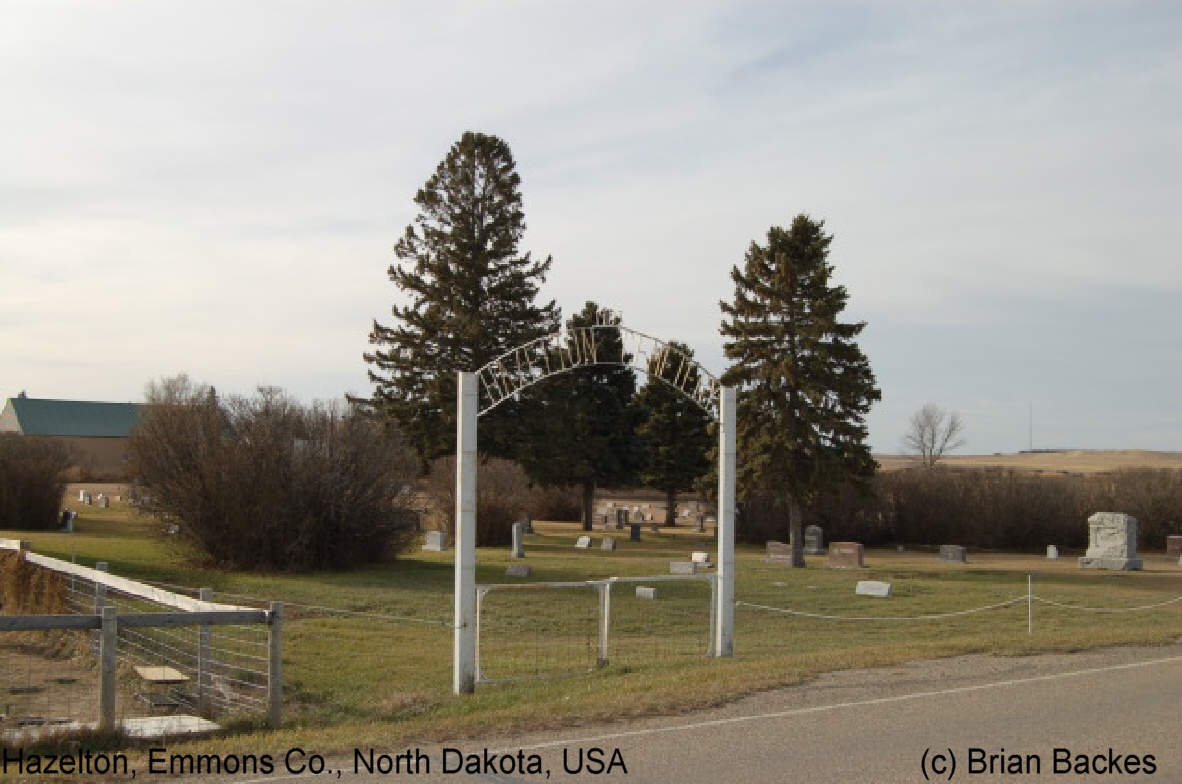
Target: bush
x=503 y=496
x=266 y=482
x=32 y=480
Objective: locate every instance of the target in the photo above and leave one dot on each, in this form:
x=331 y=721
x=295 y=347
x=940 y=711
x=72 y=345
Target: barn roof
x=45 y=417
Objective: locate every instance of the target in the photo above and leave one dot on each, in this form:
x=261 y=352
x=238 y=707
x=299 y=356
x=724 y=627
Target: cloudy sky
x=215 y=188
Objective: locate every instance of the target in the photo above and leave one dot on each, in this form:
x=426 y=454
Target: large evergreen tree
x=470 y=296
x=805 y=387
x=585 y=430
x=673 y=432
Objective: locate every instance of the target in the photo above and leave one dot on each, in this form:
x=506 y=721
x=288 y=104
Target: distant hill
x=1073 y=461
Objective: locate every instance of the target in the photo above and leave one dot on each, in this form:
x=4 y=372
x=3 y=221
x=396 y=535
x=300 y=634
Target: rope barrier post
x=1029 y=604
x=605 y=616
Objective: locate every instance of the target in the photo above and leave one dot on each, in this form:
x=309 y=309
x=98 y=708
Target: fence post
x=1029 y=604
x=108 y=640
x=275 y=666
x=203 y=661
x=605 y=619
x=713 y=614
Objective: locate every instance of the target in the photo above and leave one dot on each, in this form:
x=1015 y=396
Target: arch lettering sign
x=563 y=351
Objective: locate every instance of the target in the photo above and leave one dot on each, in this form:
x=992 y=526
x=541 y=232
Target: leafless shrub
x=265 y=482
x=32 y=480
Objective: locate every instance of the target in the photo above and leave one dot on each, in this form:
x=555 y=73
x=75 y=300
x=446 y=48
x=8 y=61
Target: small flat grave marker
x=1052 y=552
x=608 y=543
x=435 y=541
x=683 y=567
x=701 y=558
x=646 y=592
x=519 y=570
x=583 y=543
x=873 y=588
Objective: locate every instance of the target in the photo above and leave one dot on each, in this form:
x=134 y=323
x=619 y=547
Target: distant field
x=1080 y=461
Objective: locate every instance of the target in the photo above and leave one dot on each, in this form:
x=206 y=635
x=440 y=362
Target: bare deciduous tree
x=931 y=432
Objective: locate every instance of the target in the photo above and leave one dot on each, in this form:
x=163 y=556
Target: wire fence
x=78 y=641
x=542 y=630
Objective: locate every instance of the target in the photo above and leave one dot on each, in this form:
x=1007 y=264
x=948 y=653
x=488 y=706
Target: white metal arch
x=526 y=365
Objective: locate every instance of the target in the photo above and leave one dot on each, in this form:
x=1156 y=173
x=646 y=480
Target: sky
x=215 y=188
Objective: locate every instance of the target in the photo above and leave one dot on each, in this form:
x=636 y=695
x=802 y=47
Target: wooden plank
x=165 y=675
x=218 y=618
x=20 y=623
x=131 y=587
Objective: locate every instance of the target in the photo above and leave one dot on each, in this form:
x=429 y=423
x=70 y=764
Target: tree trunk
x=671 y=507
x=796 y=531
x=588 y=503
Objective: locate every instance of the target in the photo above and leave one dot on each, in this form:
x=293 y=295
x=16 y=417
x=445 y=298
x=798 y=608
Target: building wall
x=98 y=458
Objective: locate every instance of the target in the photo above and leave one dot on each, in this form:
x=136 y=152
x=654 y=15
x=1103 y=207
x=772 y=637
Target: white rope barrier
x=801 y=613
x=1082 y=608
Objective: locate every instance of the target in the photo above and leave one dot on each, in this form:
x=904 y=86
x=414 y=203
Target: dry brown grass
x=1077 y=461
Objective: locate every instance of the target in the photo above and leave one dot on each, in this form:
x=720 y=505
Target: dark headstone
x=845 y=555
x=633 y=532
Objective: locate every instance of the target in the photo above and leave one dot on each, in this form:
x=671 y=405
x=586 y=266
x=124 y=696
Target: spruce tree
x=805 y=387
x=673 y=433
x=469 y=296
x=584 y=431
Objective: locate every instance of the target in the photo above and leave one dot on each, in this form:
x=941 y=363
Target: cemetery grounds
x=367 y=653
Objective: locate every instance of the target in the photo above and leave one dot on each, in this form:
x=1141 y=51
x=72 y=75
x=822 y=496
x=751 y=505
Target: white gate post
x=724 y=643
x=464 y=654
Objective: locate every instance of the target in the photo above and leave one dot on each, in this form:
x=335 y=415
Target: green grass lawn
x=357 y=680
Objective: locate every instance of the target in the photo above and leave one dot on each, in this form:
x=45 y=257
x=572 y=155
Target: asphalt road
x=883 y=726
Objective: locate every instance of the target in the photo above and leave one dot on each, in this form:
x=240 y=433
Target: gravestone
x=529 y=524
x=86 y=499
x=81 y=495
x=519 y=570
x=1052 y=552
x=683 y=567
x=1174 y=545
x=701 y=558
x=653 y=528
x=68 y=517
x=583 y=543
x=953 y=553
x=104 y=502
x=608 y=525
x=621 y=518
x=845 y=555
x=1112 y=542
x=873 y=588
x=435 y=541
x=633 y=532
x=814 y=540
x=518 y=540
x=900 y=548
x=117 y=498
x=700 y=525
x=779 y=552
x=645 y=592
x=608 y=543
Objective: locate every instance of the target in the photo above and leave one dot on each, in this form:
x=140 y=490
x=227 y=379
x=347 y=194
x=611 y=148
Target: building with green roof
x=96 y=432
